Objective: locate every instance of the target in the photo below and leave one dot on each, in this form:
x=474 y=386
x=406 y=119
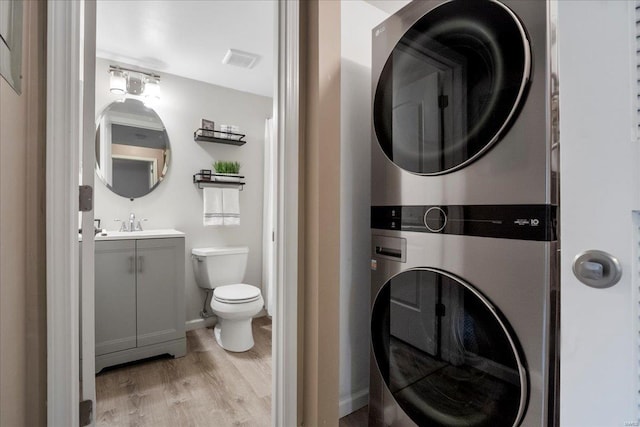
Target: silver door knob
x=597 y=269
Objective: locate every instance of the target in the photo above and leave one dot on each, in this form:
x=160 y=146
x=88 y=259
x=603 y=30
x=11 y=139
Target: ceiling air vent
x=240 y=58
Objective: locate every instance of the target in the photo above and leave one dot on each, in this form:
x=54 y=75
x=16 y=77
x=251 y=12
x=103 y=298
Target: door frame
x=64 y=112
x=64 y=109
x=285 y=321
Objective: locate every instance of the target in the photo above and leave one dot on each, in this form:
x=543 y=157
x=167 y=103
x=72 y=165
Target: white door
x=270 y=215
x=599 y=191
x=87 y=164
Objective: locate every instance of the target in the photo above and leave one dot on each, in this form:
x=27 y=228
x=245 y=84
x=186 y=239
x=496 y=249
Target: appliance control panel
x=522 y=222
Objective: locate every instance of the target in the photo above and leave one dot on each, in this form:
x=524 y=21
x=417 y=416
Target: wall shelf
x=218 y=136
x=218 y=179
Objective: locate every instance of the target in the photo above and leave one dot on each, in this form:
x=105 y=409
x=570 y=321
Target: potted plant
x=229 y=170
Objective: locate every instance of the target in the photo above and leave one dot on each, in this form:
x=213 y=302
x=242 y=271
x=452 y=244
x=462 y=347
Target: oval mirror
x=132 y=148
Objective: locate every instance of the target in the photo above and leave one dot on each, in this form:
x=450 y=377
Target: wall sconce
x=124 y=80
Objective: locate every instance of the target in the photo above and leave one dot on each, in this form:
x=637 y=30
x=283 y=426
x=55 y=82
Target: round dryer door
x=445 y=353
x=451 y=86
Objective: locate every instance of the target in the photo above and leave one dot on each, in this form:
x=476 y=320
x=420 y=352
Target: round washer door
x=445 y=353
x=452 y=86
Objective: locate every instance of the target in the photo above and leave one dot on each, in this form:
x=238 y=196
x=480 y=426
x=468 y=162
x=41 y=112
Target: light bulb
x=118 y=82
x=152 y=89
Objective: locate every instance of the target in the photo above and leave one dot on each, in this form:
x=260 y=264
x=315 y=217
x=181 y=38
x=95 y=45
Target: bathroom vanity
x=139 y=296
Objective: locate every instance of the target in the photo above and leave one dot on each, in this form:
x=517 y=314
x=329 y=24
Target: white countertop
x=127 y=235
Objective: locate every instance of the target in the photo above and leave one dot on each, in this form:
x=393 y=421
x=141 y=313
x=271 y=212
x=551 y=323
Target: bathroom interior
x=170 y=225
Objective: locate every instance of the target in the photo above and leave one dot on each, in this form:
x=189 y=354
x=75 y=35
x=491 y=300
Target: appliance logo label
x=379 y=31
x=374 y=264
x=533 y=222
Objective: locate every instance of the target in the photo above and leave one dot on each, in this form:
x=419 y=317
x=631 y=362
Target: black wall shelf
x=217 y=179
x=218 y=136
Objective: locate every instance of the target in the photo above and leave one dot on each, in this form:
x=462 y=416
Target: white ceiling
x=190 y=38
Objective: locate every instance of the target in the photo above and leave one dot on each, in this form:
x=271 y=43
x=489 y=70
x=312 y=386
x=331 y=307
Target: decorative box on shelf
x=222 y=137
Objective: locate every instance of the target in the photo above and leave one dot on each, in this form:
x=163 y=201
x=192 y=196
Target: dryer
x=464 y=314
x=464 y=96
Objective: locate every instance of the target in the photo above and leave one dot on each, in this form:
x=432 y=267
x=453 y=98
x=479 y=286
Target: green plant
x=227 y=167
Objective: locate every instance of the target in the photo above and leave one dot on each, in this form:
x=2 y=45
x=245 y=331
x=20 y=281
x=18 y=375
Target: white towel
x=212 y=210
x=231 y=206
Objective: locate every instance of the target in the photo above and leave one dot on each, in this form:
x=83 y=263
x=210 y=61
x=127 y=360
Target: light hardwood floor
x=207 y=387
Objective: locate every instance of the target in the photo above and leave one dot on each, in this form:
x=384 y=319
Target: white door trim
x=87 y=252
x=63 y=136
x=285 y=321
x=64 y=107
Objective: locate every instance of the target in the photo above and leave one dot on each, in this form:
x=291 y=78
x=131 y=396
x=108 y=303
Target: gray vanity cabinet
x=115 y=294
x=139 y=299
x=159 y=317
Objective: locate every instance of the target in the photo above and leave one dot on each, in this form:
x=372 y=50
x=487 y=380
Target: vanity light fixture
x=117 y=82
x=152 y=88
x=134 y=82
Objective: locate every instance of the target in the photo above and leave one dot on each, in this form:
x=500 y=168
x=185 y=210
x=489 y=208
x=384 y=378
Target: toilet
x=222 y=269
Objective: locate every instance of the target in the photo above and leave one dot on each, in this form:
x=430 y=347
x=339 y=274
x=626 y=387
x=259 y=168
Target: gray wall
x=177 y=202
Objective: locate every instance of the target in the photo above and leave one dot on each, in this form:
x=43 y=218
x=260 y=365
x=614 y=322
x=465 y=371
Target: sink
x=145 y=234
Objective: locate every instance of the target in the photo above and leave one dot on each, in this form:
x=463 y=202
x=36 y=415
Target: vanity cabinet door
x=160 y=290
x=115 y=296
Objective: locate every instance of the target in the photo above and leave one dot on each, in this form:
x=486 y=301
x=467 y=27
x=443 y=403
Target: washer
x=464 y=96
x=464 y=316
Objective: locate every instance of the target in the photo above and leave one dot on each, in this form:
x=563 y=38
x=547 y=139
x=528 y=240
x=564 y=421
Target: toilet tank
x=219 y=266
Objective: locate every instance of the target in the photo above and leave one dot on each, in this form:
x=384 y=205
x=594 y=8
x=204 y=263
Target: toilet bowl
x=221 y=270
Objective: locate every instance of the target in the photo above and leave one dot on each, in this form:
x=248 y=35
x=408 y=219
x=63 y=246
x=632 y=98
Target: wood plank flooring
x=359 y=418
x=207 y=387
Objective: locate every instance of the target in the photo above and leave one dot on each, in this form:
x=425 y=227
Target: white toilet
x=222 y=269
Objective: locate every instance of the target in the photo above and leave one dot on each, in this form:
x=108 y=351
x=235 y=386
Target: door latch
x=597 y=269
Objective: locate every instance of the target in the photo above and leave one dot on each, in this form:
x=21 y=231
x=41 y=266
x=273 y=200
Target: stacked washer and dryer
x=464 y=287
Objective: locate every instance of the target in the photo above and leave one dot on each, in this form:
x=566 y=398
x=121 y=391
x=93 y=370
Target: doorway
x=65 y=20
x=200 y=82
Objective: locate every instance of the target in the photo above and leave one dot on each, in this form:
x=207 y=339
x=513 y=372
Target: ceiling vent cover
x=240 y=58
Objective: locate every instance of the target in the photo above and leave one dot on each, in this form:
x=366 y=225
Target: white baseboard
x=190 y=325
x=353 y=402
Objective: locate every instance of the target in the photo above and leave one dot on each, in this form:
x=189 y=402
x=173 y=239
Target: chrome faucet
x=123 y=225
x=139 y=224
x=131 y=225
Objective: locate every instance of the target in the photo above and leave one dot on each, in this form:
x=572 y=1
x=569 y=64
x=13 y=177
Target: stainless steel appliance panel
x=516 y=169
x=514 y=276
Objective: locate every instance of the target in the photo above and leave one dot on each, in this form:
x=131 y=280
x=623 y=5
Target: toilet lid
x=235 y=294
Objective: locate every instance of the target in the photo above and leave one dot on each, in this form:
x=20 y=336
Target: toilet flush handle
x=197 y=258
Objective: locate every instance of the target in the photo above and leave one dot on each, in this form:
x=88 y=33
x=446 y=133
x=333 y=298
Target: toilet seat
x=236 y=294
